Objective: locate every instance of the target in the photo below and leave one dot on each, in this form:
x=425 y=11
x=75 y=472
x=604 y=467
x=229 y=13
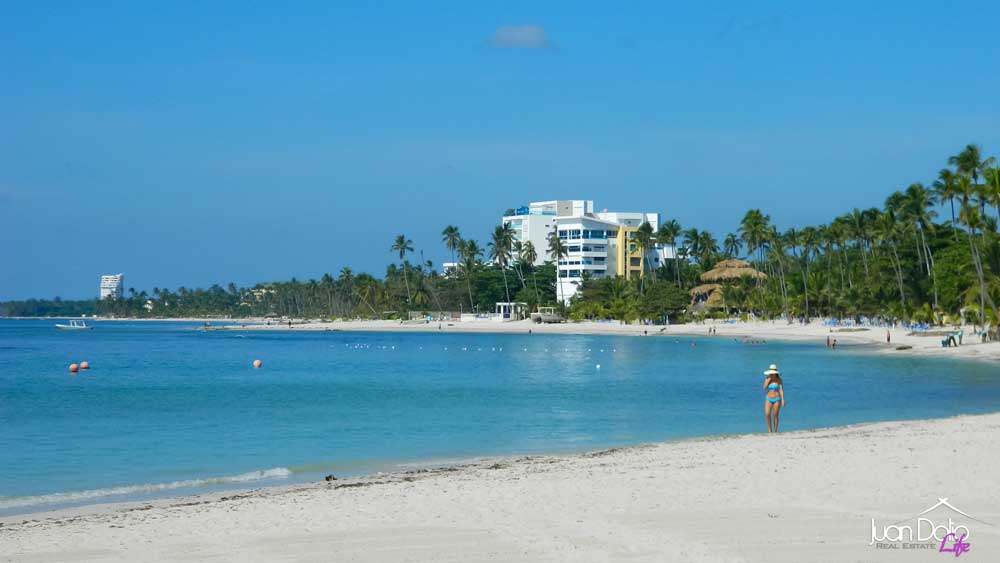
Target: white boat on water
x=74 y=325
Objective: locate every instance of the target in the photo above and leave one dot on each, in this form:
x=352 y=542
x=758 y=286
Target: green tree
x=500 y=251
x=452 y=240
x=557 y=252
x=402 y=245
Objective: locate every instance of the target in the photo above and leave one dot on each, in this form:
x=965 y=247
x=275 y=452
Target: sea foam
x=74 y=497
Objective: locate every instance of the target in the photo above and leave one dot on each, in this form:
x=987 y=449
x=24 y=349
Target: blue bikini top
x=773 y=386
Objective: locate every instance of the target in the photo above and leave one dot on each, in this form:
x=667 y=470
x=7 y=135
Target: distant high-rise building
x=113 y=286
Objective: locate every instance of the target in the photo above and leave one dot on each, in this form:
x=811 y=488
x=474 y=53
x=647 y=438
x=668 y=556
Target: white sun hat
x=773 y=370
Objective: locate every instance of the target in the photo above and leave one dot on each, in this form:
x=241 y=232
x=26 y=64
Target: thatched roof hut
x=729 y=270
x=704 y=289
x=706 y=296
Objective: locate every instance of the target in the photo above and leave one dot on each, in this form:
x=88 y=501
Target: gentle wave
x=81 y=496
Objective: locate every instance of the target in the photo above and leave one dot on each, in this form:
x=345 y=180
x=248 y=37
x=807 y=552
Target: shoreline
x=589 y=486
x=867 y=339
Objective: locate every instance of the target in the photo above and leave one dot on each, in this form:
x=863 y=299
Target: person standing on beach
x=774 y=397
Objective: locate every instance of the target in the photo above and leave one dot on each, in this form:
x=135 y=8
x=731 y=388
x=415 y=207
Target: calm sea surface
x=168 y=410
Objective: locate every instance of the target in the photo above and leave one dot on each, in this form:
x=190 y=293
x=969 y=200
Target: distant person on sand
x=774 y=397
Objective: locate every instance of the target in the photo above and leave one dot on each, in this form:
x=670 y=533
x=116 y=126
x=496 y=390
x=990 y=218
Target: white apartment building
x=113 y=286
x=599 y=244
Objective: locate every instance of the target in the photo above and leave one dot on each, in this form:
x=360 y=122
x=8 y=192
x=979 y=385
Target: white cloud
x=520 y=37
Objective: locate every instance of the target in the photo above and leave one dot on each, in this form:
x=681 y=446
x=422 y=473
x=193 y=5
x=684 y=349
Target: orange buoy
x=256 y=363
x=84 y=365
x=73 y=368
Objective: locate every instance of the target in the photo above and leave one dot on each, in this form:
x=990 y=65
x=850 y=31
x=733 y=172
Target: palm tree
x=668 y=234
x=708 y=247
x=970 y=163
x=973 y=219
x=500 y=251
x=753 y=230
x=945 y=189
x=643 y=240
x=991 y=179
x=528 y=255
x=346 y=283
x=809 y=239
x=328 y=285
x=776 y=243
x=451 y=239
x=692 y=241
x=402 y=245
x=731 y=245
x=887 y=231
x=469 y=252
x=918 y=210
x=515 y=254
x=557 y=251
x=856 y=224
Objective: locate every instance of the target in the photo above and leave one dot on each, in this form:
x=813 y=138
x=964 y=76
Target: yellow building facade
x=629 y=261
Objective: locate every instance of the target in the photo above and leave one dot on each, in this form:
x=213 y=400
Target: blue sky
x=188 y=144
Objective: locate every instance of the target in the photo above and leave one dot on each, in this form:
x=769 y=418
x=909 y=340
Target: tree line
x=929 y=253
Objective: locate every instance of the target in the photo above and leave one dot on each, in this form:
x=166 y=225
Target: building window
x=598 y=260
x=634 y=262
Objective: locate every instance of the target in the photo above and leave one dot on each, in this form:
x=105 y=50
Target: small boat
x=74 y=325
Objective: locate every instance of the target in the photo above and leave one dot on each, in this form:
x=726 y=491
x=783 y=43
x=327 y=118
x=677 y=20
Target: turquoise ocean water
x=169 y=410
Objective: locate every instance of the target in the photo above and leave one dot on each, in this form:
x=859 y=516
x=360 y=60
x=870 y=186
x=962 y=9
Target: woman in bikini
x=774 y=397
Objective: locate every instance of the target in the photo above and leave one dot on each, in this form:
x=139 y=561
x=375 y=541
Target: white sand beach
x=902 y=341
x=800 y=496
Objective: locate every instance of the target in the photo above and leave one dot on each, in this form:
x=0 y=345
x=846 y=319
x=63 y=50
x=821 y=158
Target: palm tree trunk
x=505 y=288
x=468 y=283
x=559 y=283
x=982 y=281
x=534 y=282
x=899 y=274
x=805 y=285
x=374 y=312
x=407 y=282
x=953 y=229
x=847 y=261
x=933 y=270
